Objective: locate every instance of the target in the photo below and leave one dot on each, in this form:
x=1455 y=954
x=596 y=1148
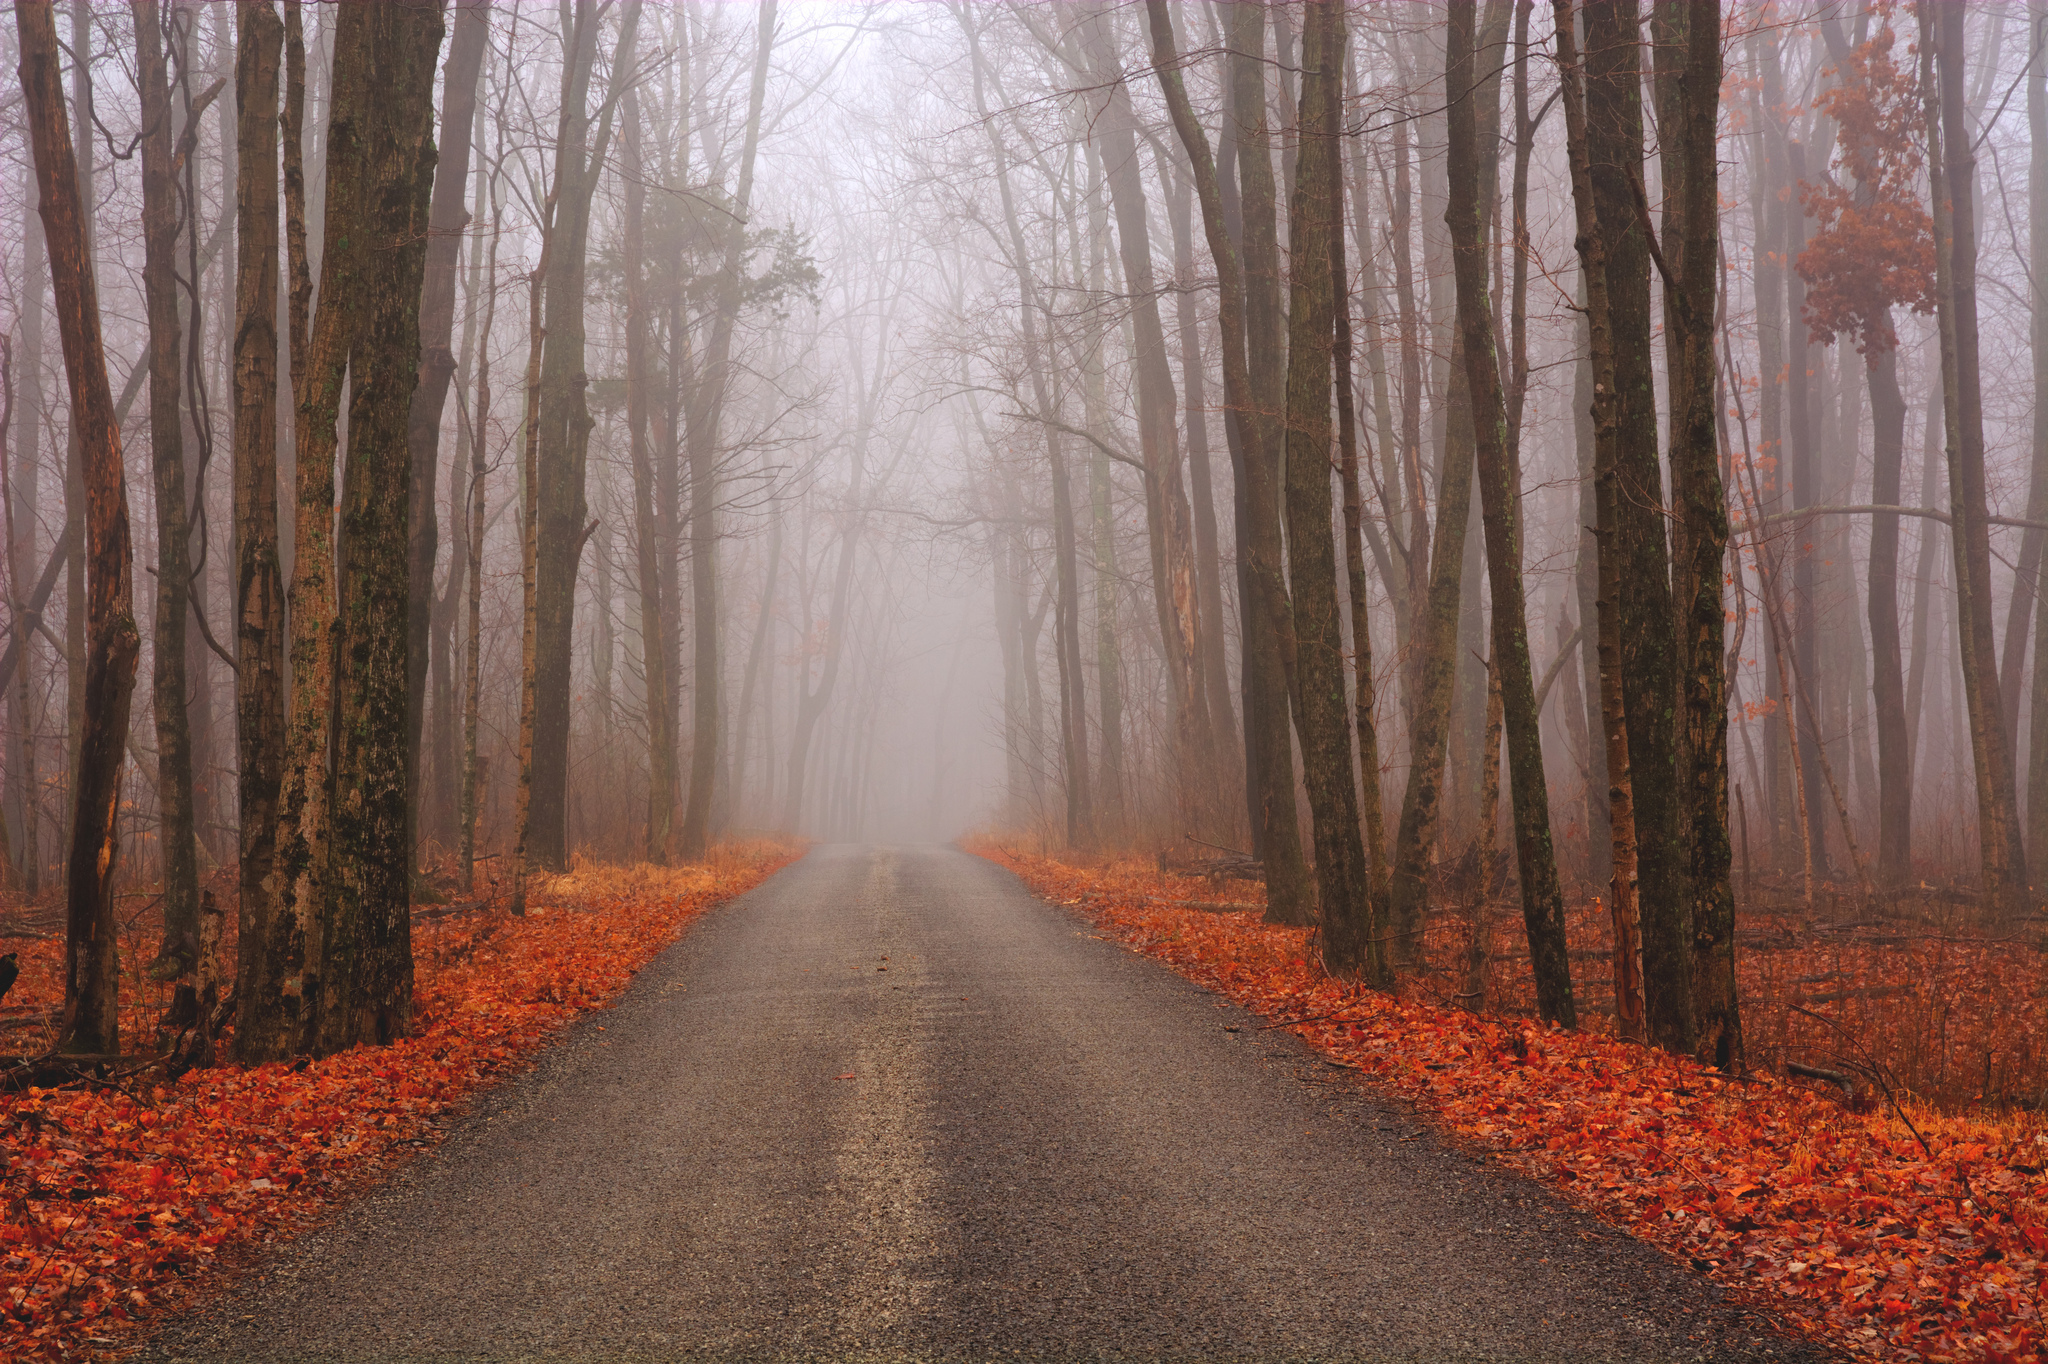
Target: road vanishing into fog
x=891 y=1107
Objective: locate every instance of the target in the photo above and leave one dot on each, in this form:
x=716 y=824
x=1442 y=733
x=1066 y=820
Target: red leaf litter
x=117 y=1203
x=1844 y=1225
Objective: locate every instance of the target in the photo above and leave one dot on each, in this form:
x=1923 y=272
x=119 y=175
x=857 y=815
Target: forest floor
x=1906 y=1220
x=117 y=1198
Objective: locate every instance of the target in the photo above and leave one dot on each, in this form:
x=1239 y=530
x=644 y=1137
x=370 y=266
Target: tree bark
x=91 y=1021
x=1352 y=944
x=1473 y=101
x=1591 y=243
x=179 y=952
x=1688 y=45
x=1952 y=170
x=386 y=63
x=1255 y=410
x=565 y=421
x=259 y=582
x=1614 y=126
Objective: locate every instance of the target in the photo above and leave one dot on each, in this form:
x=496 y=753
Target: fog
x=976 y=519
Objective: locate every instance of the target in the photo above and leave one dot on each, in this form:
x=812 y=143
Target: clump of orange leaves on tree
x=1894 y=1231
x=118 y=1199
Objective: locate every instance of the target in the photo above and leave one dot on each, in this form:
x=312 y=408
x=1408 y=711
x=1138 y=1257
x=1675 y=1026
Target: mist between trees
x=1414 y=455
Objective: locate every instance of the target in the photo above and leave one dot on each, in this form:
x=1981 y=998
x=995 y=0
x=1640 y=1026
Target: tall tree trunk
x=1614 y=126
x=1888 y=683
x=1364 y=693
x=1592 y=249
x=1474 y=109
x=1167 y=516
x=1688 y=44
x=1080 y=818
x=91 y=1022
x=2037 y=248
x=1353 y=947
x=474 y=579
x=259 y=582
x=445 y=223
x=26 y=409
x=179 y=952
x=565 y=421
x=384 y=73
x=1255 y=411
x=1194 y=385
x=654 y=653
x=1952 y=170
x=705 y=416
x=273 y=1006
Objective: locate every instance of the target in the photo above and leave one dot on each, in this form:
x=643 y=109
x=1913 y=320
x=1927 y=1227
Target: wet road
x=891 y=1107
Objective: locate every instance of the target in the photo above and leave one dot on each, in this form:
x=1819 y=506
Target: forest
x=1504 y=539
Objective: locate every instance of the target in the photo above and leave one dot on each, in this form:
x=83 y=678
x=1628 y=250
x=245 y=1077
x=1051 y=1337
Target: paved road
x=890 y=1107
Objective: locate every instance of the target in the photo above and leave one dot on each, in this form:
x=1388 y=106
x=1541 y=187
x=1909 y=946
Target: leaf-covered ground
x=1846 y=1225
x=117 y=1202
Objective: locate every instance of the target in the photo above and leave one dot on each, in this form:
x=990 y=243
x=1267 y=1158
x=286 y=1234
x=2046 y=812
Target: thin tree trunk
x=1167 y=516
x=474 y=579
x=654 y=652
x=1194 y=383
x=179 y=952
x=1256 y=404
x=1472 y=80
x=705 y=417
x=1066 y=620
x=565 y=421
x=2037 y=244
x=1592 y=249
x=1888 y=684
x=1648 y=625
x=91 y=1022
x=1952 y=170
x=446 y=221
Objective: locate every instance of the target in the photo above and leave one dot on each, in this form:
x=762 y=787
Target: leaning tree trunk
x=1352 y=944
x=445 y=223
x=179 y=952
x=1952 y=171
x=91 y=1021
x=1474 y=118
x=365 y=962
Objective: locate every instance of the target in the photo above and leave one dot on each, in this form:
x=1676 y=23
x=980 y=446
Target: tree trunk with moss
x=259 y=582
x=387 y=64
x=1649 y=634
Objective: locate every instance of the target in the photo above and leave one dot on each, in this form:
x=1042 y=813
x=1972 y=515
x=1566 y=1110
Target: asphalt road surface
x=891 y=1107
